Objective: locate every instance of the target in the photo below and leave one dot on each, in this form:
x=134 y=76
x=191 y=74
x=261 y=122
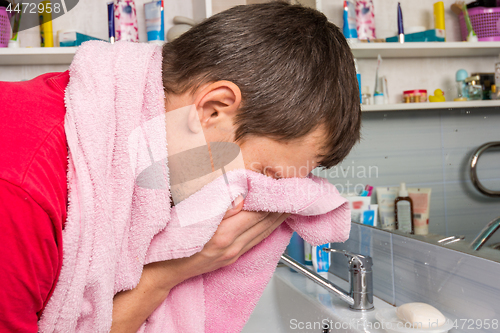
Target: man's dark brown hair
x=295 y=71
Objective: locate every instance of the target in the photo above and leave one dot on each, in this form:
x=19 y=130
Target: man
x=278 y=80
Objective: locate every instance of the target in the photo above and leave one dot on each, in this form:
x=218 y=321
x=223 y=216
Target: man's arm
x=238 y=232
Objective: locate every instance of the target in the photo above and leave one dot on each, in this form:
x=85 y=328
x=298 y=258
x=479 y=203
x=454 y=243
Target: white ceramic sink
x=293 y=303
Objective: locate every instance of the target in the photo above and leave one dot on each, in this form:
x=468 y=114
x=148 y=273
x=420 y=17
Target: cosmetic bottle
x=308 y=255
x=365 y=19
x=45 y=19
x=460 y=77
x=378 y=95
x=497 y=80
x=295 y=249
x=403 y=211
x=365 y=95
x=474 y=88
x=358 y=76
x=349 y=27
x=321 y=260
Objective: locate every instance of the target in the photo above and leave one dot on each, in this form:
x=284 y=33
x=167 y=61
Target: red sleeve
x=29 y=259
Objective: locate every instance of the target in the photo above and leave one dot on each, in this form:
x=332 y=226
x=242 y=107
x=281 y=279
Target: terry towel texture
x=115 y=227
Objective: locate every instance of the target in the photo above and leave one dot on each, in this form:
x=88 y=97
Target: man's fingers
x=259 y=232
x=234 y=226
x=235 y=208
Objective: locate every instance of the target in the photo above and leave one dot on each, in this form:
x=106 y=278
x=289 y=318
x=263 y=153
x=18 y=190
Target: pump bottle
x=403 y=211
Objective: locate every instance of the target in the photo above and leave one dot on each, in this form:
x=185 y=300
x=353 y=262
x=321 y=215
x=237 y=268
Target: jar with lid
x=486 y=80
x=474 y=88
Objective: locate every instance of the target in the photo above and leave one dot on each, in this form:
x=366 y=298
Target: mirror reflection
x=441 y=167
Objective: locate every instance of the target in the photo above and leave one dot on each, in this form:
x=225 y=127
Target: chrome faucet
x=485 y=234
x=360 y=295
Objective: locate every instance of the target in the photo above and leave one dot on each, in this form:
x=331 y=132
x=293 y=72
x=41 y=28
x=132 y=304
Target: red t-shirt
x=33 y=196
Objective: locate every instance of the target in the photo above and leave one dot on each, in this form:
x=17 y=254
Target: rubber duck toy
x=438 y=96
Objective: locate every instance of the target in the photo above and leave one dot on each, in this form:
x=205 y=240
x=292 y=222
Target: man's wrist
x=165 y=275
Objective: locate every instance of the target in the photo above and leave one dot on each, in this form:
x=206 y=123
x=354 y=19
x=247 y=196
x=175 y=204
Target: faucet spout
x=339 y=292
x=485 y=234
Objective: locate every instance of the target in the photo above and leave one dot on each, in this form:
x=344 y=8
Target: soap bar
x=420 y=315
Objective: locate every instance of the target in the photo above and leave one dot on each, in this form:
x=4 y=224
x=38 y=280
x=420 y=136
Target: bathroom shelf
x=37 y=56
x=430 y=49
x=64 y=55
x=430 y=106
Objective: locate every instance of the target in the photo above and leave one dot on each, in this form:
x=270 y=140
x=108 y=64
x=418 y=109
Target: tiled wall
x=407 y=270
x=430 y=149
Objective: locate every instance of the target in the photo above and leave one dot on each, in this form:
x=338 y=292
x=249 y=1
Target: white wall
x=88 y=17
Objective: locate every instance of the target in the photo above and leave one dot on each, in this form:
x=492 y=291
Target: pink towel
x=115 y=108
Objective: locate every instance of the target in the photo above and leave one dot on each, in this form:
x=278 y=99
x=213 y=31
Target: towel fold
x=115 y=227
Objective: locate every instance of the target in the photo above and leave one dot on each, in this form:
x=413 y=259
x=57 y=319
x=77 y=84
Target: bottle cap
x=402 y=190
x=461 y=75
x=472 y=78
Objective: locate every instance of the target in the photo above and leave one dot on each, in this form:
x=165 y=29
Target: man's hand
x=237 y=233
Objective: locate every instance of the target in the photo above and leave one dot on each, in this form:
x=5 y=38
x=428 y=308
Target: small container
x=365 y=97
x=358 y=77
x=415 y=96
x=403 y=211
x=365 y=19
x=295 y=249
x=497 y=78
x=460 y=77
x=126 y=27
x=439 y=22
x=153 y=13
x=45 y=17
x=486 y=80
x=378 y=99
x=474 y=88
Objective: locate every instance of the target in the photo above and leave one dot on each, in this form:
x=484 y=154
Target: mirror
x=431 y=149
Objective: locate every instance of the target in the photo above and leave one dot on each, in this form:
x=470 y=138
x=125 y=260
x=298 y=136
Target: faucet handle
x=365 y=262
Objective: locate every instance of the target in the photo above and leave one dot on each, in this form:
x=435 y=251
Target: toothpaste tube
x=385 y=198
x=153 y=12
x=321 y=260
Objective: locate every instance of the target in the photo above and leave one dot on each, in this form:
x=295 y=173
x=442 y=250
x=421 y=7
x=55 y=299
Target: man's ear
x=218 y=103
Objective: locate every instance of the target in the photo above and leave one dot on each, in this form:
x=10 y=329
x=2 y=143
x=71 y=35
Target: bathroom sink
x=293 y=303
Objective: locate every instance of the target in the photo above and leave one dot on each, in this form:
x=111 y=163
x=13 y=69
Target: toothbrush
x=377 y=88
x=471 y=37
x=401 y=30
